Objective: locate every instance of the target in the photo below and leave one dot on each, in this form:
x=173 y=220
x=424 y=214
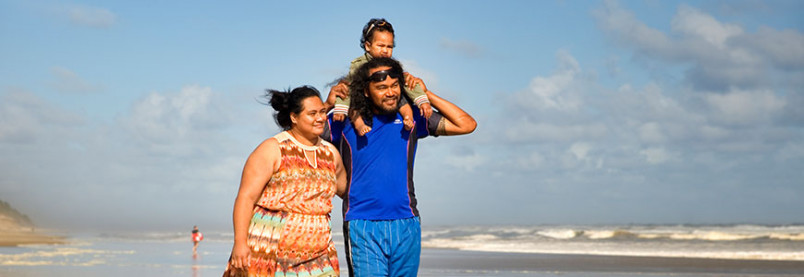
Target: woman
x=281 y=213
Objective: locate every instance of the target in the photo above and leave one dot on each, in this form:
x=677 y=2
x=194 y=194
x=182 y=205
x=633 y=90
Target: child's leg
x=407 y=116
x=361 y=126
x=358 y=123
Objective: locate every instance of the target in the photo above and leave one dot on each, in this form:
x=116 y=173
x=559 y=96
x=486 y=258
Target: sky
x=140 y=115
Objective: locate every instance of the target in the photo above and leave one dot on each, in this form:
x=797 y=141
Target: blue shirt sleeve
x=426 y=126
x=333 y=130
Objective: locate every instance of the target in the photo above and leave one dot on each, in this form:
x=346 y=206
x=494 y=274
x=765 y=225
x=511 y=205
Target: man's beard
x=381 y=109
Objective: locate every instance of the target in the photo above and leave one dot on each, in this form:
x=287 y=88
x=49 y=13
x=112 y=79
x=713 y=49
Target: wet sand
x=463 y=261
x=9 y=238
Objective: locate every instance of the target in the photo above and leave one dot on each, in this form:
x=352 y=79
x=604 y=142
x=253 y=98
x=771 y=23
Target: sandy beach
x=16 y=237
x=170 y=254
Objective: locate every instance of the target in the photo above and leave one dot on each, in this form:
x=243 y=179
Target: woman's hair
x=375 y=24
x=362 y=104
x=287 y=102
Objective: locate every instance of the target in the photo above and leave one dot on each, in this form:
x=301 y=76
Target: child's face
x=381 y=45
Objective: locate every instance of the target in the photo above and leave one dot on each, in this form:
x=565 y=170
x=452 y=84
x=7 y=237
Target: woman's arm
x=340 y=174
x=259 y=167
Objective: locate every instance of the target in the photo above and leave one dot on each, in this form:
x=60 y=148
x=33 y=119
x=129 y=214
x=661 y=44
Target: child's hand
x=426 y=109
x=408 y=121
x=338 y=116
x=411 y=81
x=341 y=90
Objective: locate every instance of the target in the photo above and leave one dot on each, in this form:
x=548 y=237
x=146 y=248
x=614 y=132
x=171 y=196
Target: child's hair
x=287 y=102
x=375 y=24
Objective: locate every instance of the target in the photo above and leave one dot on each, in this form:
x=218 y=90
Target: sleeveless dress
x=290 y=233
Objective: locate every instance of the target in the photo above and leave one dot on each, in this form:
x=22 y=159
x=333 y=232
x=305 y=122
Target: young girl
x=378 y=42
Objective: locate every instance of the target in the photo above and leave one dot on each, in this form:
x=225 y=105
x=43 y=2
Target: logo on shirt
x=398 y=121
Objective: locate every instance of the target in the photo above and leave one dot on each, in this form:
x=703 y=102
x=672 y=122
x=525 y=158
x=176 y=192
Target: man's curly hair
x=361 y=103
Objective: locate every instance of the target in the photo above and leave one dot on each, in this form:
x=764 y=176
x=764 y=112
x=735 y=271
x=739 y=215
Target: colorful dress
x=290 y=233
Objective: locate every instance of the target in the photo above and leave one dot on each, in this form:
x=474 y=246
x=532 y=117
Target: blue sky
x=140 y=115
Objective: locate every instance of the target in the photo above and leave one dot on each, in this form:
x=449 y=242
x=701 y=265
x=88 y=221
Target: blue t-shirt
x=380 y=165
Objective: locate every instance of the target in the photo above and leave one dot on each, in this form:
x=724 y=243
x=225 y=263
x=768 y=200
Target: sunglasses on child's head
x=380 y=76
x=375 y=24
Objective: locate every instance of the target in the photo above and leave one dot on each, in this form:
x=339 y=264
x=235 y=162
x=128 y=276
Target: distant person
x=197 y=237
x=377 y=41
x=281 y=214
x=382 y=230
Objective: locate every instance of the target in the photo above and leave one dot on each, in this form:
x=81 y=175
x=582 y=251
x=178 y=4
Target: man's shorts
x=383 y=247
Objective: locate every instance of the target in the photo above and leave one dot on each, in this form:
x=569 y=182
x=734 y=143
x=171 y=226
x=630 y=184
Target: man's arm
x=456 y=121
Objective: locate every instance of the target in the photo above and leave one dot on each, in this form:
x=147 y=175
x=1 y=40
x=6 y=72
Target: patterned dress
x=290 y=232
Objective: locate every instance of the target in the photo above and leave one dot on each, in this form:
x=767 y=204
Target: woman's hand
x=241 y=254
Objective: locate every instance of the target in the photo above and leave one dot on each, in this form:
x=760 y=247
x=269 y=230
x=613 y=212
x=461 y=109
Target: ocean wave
x=559 y=233
x=616 y=250
x=726 y=242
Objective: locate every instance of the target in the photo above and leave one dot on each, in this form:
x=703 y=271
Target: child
x=197 y=237
x=378 y=41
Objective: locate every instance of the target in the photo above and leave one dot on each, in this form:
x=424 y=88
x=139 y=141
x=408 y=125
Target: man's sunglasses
x=380 y=76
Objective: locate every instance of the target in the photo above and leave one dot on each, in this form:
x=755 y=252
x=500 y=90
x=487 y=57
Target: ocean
x=569 y=251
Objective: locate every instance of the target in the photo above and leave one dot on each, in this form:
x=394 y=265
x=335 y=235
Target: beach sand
x=492 y=264
x=19 y=237
x=87 y=256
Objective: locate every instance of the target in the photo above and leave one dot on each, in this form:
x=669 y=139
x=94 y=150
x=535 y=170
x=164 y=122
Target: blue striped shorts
x=383 y=247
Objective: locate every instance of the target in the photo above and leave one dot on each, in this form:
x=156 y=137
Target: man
x=381 y=223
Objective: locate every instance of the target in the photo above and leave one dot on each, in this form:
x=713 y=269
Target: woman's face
x=310 y=121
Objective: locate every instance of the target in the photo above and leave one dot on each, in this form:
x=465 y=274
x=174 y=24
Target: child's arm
x=341 y=106
x=416 y=93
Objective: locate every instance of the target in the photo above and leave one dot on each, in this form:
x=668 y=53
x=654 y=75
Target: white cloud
x=745 y=107
x=68 y=81
x=178 y=123
x=90 y=16
x=524 y=131
x=580 y=150
x=651 y=132
x=27 y=118
x=656 y=155
x=463 y=47
x=530 y=161
x=693 y=23
x=466 y=162
x=554 y=92
x=429 y=77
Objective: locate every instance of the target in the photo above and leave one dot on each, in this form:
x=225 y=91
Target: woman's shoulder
x=328 y=145
x=268 y=145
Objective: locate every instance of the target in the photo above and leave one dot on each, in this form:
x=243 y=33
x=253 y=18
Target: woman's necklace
x=306 y=148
